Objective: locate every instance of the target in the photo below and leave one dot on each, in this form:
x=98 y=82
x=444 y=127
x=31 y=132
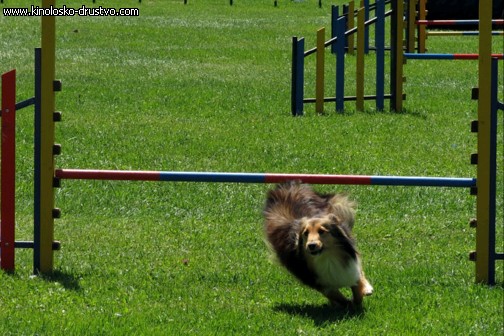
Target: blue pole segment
x=37 y=165
x=366 y=28
x=493 y=169
x=380 y=54
x=423 y=181
x=429 y=56
x=334 y=17
x=212 y=177
x=340 y=63
x=297 y=94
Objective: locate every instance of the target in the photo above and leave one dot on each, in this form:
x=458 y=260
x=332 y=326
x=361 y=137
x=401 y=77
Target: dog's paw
x=368 y=289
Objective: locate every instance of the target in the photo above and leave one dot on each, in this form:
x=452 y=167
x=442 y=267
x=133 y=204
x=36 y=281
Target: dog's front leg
x=363 y=288
x=337 y=299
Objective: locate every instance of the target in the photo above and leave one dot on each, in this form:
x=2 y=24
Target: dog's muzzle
x=314 y=248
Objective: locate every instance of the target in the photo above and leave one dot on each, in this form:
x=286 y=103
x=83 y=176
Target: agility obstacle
x=403 y=14
x=421 y=23
x=343 y=34
x=47 y=177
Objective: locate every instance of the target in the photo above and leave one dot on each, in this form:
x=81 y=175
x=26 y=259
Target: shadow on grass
x=320 y=314
x=68 y=281
x=404 y=111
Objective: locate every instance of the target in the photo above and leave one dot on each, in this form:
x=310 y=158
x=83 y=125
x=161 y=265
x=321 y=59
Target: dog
x=310 y=235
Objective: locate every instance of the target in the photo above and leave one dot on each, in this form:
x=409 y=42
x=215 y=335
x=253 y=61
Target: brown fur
x=311 y=236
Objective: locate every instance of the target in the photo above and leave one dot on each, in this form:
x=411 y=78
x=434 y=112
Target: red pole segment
x=117 y=175
x=8 y=167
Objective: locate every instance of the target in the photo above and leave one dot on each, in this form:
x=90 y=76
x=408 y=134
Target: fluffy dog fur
x=310 y=234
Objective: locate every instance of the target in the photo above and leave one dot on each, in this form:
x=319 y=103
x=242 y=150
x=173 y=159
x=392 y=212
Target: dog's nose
x=312 y=246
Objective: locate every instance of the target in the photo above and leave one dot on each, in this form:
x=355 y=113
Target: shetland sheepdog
x=310 y=234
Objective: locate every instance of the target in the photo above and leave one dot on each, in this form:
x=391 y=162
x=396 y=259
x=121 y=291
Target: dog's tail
x=281 y=211
x=285 y=206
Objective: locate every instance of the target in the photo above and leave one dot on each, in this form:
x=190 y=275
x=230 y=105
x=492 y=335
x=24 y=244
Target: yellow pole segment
x=319 y=88
x=399 y=57
x=351 y=25
x=484 y=129
x=360 y=59
x=422 y=29
x=47 y=108
x=411 y=26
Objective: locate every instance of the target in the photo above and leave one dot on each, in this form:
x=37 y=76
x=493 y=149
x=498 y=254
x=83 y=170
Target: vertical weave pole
x=350 y=26
x=297 y=76
x=484 y=268
x=397 y=58
x=44 y=175
x=334 y=17
x=410 y=31
x=365 y=4
x=340 y=64
x=8 y=168
x=360 y=59
x=380 y=54
x=422 y=29
x=319 y=88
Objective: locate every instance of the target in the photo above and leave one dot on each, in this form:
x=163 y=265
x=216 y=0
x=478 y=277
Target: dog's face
x=319 y=234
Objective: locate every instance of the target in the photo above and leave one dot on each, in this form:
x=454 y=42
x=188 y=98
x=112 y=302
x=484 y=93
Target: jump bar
x=448 y=56
x=455 y=22
x=169 y=176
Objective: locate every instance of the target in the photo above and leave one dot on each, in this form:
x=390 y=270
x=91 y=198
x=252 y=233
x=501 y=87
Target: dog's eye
x=321 y=232
x=305 y=233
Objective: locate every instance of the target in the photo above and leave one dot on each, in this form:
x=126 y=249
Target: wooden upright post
x=360 y=59
x=8 y=171
x=397 y=55
x=484 y=262
x=44 y=160
x=319 y=90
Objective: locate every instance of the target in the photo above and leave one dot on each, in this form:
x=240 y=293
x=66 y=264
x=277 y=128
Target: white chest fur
x=332 y=272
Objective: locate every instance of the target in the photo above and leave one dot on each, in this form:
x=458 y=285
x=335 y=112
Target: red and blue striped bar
x=448 y=56
x=455 y=22
x=171 y=176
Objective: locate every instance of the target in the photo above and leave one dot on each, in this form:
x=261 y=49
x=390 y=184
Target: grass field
x=206 y=87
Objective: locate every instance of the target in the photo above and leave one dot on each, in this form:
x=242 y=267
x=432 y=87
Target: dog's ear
x=334 y=219
x=337 y=220
x=343 y=236
x=300 y=225
x=296 y=233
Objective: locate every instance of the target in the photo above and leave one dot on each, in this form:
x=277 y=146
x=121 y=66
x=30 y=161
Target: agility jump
x=47 y=177
x=343 y=34
x=423 y=33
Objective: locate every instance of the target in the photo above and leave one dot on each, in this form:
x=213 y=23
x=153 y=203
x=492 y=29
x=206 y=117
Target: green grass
x=206 y=87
